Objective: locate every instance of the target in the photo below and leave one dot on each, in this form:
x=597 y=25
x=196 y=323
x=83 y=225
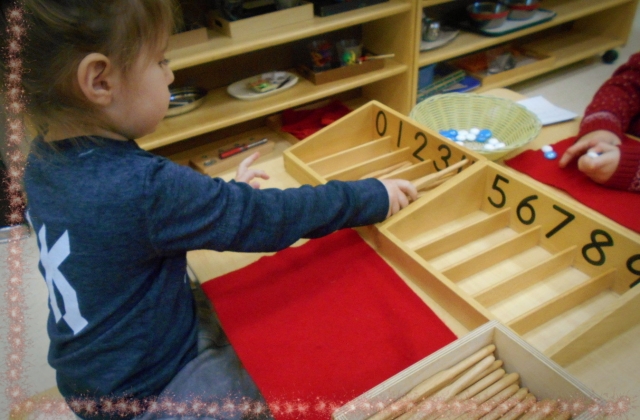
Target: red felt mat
x=620 y=206
x=302 y=123
x=319 y=324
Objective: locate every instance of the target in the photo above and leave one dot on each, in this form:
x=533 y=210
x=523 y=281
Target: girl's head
x=62 y=33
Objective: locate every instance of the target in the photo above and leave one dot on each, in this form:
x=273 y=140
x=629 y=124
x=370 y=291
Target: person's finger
x=248 y=161
x=409 y=189
x=571 y=153
x=259 y=173
x=403 y=200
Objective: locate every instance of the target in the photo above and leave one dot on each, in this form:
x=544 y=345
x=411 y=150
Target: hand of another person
x=602 y=167
x=587 y=142
x=401 y=193
x=246 y=174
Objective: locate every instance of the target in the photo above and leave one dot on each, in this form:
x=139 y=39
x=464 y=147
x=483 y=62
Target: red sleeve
x=627 y=175
x=617 y=103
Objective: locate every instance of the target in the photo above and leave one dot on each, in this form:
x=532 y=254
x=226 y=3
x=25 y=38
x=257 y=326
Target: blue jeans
x=215 y=378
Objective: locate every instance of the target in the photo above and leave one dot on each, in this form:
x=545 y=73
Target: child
x=614 y=111
x=114 y=223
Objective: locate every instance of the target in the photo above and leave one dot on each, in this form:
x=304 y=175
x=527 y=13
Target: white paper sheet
x=546 y=111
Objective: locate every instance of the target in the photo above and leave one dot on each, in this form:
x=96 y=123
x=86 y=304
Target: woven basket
x=511 y=123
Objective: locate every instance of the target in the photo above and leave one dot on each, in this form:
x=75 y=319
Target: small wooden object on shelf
x=327 y=76
x=252 y=26
x=233 y=150
x=477 y=65
x=188 y=38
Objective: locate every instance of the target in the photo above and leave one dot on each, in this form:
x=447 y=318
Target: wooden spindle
x=431 y=385
x=428 y=180
x=507 y=405
x=392 y=168
x=520 y=408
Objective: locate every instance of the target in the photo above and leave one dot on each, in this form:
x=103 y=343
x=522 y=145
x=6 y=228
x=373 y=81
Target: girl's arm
x=187 y=210
x=616 y=104
x=627 y=174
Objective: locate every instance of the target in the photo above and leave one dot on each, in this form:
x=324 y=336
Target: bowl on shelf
x=185 y=99
x=521 y=9
x=487 y=14
x=510 y=123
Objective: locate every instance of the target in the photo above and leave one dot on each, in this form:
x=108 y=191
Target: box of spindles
x=490 y=373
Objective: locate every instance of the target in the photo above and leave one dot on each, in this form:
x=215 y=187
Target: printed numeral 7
x=562 y=224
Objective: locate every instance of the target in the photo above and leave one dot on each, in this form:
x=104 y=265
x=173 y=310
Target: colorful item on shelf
x=319 y=324
x=321 y=53
x=302 y=123
x=510 y=26
x=263 y=85
x=349 y=51
x=487 y=14
x=614 y=204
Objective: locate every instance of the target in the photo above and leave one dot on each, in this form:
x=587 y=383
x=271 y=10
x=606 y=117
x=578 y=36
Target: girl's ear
x=96 y=78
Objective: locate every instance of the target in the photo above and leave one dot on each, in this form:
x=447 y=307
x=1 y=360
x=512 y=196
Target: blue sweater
x=114 y=224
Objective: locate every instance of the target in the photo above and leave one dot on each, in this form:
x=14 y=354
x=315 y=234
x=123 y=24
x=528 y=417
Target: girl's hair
x=60 y=33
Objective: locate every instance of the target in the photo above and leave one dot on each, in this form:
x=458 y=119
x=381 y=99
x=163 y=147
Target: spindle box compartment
x=543 y=377
x=373 y=141
x=492 y=244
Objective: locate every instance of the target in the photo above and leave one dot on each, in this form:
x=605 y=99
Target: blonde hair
x=60 y=33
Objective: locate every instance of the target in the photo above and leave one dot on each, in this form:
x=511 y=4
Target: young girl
x=114 y=223
x=613 y=111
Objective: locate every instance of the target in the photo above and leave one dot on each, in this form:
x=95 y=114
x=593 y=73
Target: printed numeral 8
x=597 y=245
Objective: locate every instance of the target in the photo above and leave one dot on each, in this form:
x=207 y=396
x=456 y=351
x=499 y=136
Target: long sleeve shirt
x=616 y=107
x=114 y=224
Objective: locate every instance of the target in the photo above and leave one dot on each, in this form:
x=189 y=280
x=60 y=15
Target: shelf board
x=220 y=46
x=427 y=3
x=468 y=42
x=567 y=47
x=221 y=110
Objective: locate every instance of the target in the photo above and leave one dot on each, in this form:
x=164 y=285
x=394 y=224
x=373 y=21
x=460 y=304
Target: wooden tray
x=490 y=244
x=526 y=61
x=338 y=73
x=206 y=159
x=367 y=143
x=541 y=376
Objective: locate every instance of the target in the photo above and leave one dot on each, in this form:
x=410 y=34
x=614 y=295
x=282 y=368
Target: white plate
x=241 y=89
x=444 y=37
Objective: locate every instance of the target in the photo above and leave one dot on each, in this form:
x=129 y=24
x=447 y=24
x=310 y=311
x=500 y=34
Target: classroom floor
x=570 y=88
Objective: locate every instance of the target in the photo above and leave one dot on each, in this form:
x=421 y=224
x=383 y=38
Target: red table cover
x=319 y=324
x=620 y=206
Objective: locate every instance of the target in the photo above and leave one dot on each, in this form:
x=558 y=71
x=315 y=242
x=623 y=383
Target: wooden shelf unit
x=220 y=110
x=580 y=29
x=220 y=46
x=276 y=49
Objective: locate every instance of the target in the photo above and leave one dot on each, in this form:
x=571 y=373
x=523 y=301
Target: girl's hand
x=587 y=142
x=602 y=167
x=246 y=174
x=401 y=193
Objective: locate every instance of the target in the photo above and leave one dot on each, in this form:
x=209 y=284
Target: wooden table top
x=612 y=370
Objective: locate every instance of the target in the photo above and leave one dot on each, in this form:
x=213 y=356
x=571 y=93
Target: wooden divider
x=487 y=243
x=527 y=257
